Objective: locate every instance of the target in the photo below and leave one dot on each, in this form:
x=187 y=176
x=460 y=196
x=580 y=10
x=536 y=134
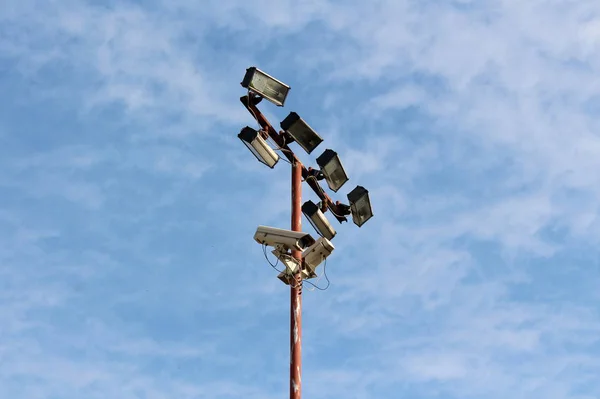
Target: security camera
x=286 y=259
x=312 y=257
x=287 y=277
x=278 y=238
x=315 y=254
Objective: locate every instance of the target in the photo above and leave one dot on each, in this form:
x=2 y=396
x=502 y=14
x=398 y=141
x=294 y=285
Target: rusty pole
x=296 y=290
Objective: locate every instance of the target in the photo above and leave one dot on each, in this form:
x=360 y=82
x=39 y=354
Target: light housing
x=318 y=220
x=265 y=86
x=332 y=169
x=258 y=146
x=301 y=132
x=360 y=205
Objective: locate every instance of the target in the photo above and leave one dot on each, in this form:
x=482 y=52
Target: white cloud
x=473 y=124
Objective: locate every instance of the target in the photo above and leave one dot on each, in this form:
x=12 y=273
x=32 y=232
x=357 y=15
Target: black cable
x=326 y=278
x=274 y=266
x=282 y=150
x=278 y=148
x=324 y=194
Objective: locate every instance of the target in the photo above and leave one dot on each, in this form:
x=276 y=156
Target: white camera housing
x=314 y=255
x=287 y=277
x=280 y=238
x=286 y=259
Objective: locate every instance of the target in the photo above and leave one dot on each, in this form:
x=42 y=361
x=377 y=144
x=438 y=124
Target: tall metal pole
x=296 y=290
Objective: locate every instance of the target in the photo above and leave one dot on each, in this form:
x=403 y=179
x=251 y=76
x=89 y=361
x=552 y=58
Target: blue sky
x=128 y=205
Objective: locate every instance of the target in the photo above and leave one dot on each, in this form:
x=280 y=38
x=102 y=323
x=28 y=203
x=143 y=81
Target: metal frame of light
x=332 y=169
x=318 y=220
x=360 y=205
x=265 y=85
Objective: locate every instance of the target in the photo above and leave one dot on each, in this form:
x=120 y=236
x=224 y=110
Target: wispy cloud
x=128 y=205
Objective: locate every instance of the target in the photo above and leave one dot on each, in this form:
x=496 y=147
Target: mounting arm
x=338 y=209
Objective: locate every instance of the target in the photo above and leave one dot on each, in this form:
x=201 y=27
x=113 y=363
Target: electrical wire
x=285 y=160
x=324 y=194
x=277 y=147
x=296 y=261
x=326 y=278
x=274 y=266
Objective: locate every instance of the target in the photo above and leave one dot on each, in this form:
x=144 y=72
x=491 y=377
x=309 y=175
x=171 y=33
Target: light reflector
x=266 y=86
x=302 y=133
x=258 y=146
x=332 y=169
x=318 y=220
x=360 y=205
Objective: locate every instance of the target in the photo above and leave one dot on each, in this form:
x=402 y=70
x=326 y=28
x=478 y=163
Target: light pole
x=261 y=85
x=296 y=290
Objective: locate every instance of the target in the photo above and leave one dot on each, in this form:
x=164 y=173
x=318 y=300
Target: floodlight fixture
x=332 y=169
x=360 y=205
x=258 y=146
x=301 y=132
x=318 y=220
x=265 y=86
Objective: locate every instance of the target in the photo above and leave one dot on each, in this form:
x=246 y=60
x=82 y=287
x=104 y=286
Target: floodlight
x=265 y=85
x=360 y=205
x=318 y=220
x=332 y=169
x=258 y=146
x=303 y=134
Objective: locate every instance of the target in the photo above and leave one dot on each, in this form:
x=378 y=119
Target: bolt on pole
x=296 y=290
